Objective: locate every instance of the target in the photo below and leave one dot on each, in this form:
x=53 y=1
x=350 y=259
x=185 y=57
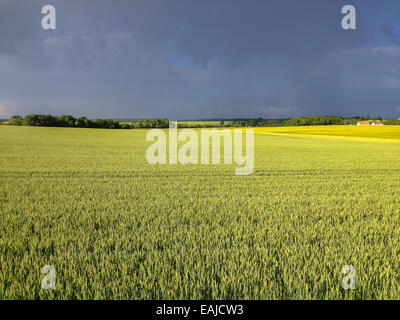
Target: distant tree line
x=154 y=123
x=258 y=122
x=392 y=122
x=303 y=121
x=331 y=120
x=315 y=121
x=41 y=120
x=68 y=121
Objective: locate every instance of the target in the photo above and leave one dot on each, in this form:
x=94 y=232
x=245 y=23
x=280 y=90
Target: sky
x=200 y=59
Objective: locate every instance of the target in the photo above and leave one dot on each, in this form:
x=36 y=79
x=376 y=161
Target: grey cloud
x=232 y=32
x=390 y=32
x=195 y=59
x=361 y=81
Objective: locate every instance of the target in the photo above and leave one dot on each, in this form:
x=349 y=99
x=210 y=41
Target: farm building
x=363 y=123
x=377 y=123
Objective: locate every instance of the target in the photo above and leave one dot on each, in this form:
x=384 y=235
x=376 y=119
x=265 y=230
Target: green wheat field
x=114 y=227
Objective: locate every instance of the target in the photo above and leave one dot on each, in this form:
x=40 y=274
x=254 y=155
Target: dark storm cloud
x=15 y=25
x=231 y=31
x=197 y=59
x=390 y=32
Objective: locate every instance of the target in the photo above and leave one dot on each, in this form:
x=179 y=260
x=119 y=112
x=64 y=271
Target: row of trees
x=314 y=121
x=155 y=123
x=392 y=122
x=258 y=122
x=48 y=120
x=41 y=120
x=301 y=121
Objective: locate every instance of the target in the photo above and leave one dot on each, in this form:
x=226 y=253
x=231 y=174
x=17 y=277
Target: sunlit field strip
x=386 y=132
